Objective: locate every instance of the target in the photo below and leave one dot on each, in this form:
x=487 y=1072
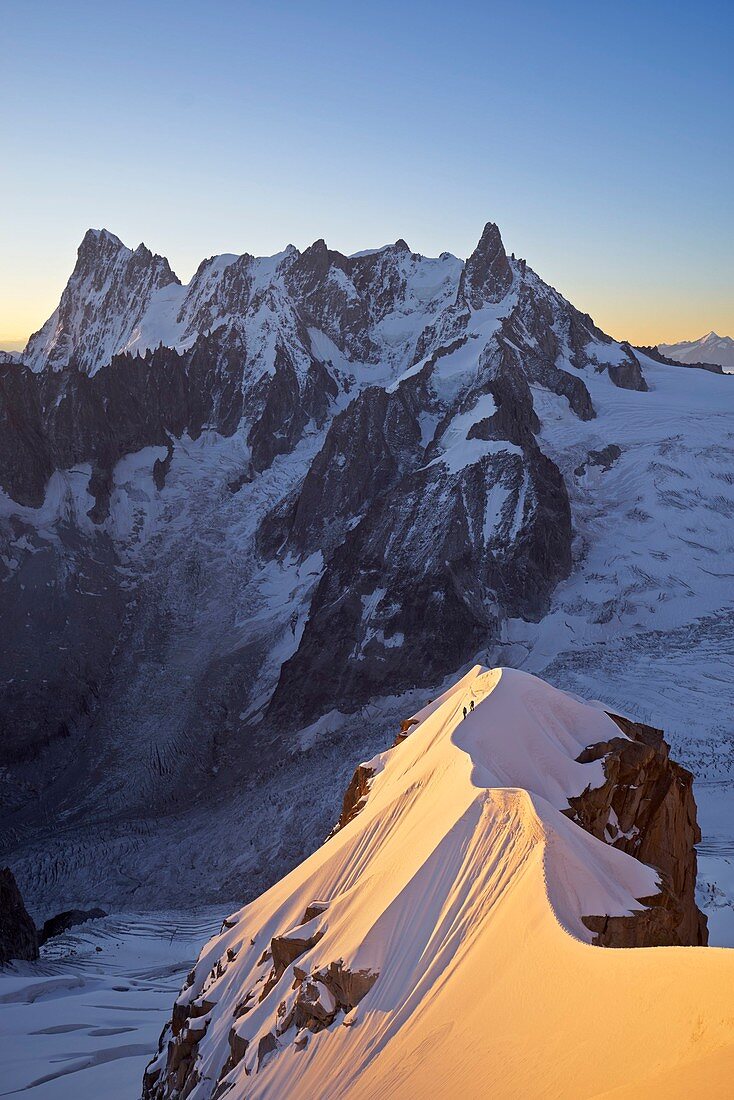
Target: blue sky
x=598 y=136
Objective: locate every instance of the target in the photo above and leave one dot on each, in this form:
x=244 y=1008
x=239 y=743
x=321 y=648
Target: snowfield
x=459 y=890
x=81 y=1021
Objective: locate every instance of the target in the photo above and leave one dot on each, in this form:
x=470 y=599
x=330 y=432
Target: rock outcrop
x=647 y=809
x=487 y=275
x=62 y=922
x=605 y=458
x=18 y=936
x=358 y=790
x=319 y=995
x=627 y=373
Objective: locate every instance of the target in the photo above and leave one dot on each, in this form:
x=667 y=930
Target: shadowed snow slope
x=435 y=943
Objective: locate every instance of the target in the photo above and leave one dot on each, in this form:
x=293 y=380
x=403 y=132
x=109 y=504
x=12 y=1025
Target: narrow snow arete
x=439 y=942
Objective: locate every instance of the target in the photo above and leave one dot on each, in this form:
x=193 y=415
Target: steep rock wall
x=647 y=809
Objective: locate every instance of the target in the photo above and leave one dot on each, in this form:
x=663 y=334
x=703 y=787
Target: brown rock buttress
x=647 y=809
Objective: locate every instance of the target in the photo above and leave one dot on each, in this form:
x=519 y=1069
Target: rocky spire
x=487 y=275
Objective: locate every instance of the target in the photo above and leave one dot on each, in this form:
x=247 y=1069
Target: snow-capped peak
x=445 y=917
x=711 y=348
x=121 y=300
x=109 y=294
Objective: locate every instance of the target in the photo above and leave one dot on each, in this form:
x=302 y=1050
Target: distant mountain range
x=248 y=523
x=710 y=348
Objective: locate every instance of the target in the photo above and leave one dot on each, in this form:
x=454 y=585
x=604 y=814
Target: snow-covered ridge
x=710 y=348
x=438 y=935
x=113 y=291
x=118 y=300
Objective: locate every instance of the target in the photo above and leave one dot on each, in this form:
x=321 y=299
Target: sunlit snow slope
x=455 y=900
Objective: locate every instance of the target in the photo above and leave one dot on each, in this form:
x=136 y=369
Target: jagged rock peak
x=487 y=275
x=95 y=240
x=100 y=246
x=318 y=248
x=107 y=296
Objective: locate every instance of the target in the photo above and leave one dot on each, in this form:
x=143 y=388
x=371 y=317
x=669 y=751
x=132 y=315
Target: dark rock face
x=436 y=559
x=628 y=374
x=62 y=922
x=25 y=460
x=319 y=280
x=288 y=406
x=18 y=936
x=54 y=421
x=605 y=458
x=65 y=418
x=542 y=330
x=487 y=275
x=367 y=448
x=346 y=297
x=409 y=536
x=646 y=808
x=52 y=674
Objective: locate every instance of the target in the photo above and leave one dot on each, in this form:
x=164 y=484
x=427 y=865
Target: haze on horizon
x=599 y=141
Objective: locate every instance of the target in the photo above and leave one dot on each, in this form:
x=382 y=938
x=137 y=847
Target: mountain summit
x=110 y=291
x=710 y=348
x=439 y=942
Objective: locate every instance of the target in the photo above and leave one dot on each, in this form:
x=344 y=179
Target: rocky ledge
x=647 y=809
x=318 y=997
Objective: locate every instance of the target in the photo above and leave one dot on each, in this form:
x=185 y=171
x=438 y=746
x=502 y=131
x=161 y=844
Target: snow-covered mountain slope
x=437 y=942
x=224 y=561
x=109 y=303
x=121 y=301
x=710 y=348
